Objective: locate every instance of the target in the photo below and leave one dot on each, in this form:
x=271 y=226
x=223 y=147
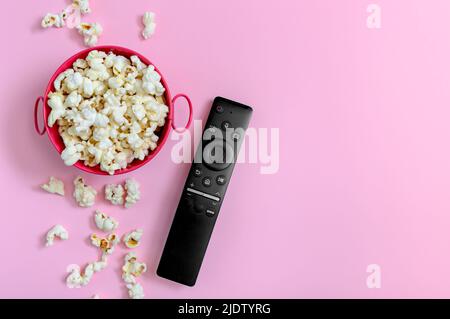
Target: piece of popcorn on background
x=54 y=20
x=78 y=279
x=105 y=222
x=133 y=238
x=132 y=268
x=91 y=32
x=149 y=24
x=135 y=291
x=107 y=244
x=133 y=192
x=82 y=5
x=54 y=186
x=57 y=231
x=114 y=193
x=84 y=194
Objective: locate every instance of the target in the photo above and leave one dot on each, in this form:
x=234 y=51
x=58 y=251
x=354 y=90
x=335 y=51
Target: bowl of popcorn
x=108 y=110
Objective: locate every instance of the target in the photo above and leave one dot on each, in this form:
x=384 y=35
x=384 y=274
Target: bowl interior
x=56 y=139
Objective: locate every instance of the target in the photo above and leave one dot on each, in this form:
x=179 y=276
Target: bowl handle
x=176 y=129
x=36 y=123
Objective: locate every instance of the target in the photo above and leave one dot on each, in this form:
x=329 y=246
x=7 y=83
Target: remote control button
x=225 y=125
x=199 y=208
x=219 y=109
x=221 y=179
x=198 y=172
x=212 y=133
x=189 y=202
x=210 y=213
x=235 y=136
x=206 y=181
x=218 y=155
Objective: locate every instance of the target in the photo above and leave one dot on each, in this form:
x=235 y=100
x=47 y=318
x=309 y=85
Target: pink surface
x=364 y=166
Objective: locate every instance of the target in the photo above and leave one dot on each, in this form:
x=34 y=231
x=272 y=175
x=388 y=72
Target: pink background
x=364 y=158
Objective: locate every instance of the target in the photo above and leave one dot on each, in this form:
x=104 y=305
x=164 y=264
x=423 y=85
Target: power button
x=219 y=109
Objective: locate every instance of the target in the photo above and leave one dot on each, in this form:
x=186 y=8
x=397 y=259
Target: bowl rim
x=56 y=139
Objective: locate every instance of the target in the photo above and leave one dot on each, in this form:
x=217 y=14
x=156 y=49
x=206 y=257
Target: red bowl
x=56 y=139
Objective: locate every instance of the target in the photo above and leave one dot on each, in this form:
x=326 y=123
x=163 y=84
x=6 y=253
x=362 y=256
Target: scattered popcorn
x=83 y=5
x=83 y=194
x=76 y=279
x=90 y=32
x=135 y=291
x=54 y=20
x=104 y=222
x=57 y=231
x=54 y=186
x=132 y=268
x=114 y=193
x=149 y=24
x=132 y=239
x=109 y=110
x=107 y=244
x=130 y=271
x=133 y=193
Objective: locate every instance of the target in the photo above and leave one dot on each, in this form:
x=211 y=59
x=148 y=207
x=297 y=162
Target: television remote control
x=204 y=191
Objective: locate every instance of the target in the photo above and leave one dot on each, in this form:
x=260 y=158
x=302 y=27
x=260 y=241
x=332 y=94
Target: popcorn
x=87 y=87
x=83 y=5
x=149 y=24
x=104 y=222
x=108 y=109
x=80 y=64
x=54 y=186
x=137 y=63
x=90 y=32
x=77 y=279
x=133 y=192
x=107 y=244
x=54 y=20
x=114 y=193
x=132 y=239
x=83 y=194
x=72 y=100
x=73 y=81
x=135 y=291
x=152 y=81
x=57 y=231
x=132 y=268
x=56 y=103
x=71 y=155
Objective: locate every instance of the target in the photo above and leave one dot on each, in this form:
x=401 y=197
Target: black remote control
x=204 y=191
